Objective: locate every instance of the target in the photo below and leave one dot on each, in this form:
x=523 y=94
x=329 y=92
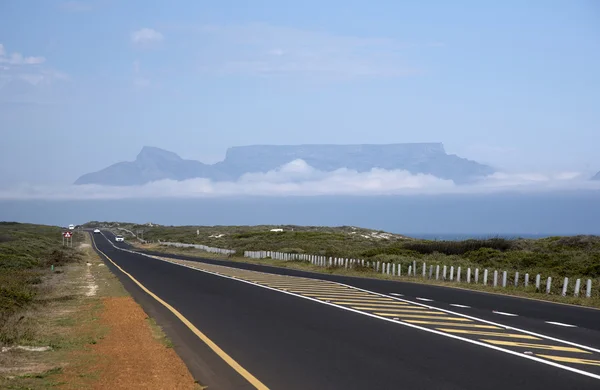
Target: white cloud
x=22 y=76
x=146 y=36
x=300 y=179
x=265 y=50
x=17 y=58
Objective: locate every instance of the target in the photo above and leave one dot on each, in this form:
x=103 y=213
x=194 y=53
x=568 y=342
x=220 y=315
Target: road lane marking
x=571 y=360
x=430 y=317
x=398 y=305
x=215 y=348
x=457 y=305
x=350 y=301
x=405 y=308
x=396 y=294
x=504 y=314
x=561 y=324
x=461 y=324
x=337 y=295
x=535 y=346
x=493 y=334
x=425 y=299
x=236 y=271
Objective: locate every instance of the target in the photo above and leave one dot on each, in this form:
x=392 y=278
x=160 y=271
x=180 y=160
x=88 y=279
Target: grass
x=26 y=254
x=557 y=257
x=45 y=308
x=158 y=333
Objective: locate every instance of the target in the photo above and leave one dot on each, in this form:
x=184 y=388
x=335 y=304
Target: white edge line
x=421 y=299
x=561 y=324
x=504 y=314
x=539 y=360
x=457 y=305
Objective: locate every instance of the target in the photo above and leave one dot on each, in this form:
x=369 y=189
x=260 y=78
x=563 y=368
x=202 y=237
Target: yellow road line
x=430 y=317
x=327 y=291
x=339 y=295
x=401 y=308
x=222 y=354
x=464 y=325
x=535 y=346
x=321 y=292
x=408 y=310
x=399 y=305
x=496 y=334
x=348 y=301
x=571 y=360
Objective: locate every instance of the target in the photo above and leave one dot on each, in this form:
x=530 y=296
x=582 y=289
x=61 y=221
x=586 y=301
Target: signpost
x=69 y=237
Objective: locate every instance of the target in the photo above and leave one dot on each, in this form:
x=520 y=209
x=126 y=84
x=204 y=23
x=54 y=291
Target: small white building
x=276 y=230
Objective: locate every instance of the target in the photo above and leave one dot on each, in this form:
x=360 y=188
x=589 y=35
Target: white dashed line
x=561 y=324
x=425 y=299
x=457 y=305
x=505 y=314
x=396 y=294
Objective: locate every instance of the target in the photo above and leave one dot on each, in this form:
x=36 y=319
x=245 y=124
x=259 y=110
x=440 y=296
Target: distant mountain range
x=153 y=164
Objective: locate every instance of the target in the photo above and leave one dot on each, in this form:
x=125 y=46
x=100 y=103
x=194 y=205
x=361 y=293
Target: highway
x=243 y=326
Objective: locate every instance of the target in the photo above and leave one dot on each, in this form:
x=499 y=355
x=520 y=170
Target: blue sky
x=84 y=84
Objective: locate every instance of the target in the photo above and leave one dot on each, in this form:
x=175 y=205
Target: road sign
x=67 y=234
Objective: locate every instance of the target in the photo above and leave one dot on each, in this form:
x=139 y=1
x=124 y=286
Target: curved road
x=247 y=326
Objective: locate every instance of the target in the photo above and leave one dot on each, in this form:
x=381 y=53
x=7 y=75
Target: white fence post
x=414 y=268
x=485 y=277
x=548 y=285
x=517 y=279
x=476 y=275
x=577 y=287
x=495 y=278
x=458 y=275
x=451 y=272
x=409 y=269
x=565 y=286
x=424 y=270
x=504 y=277
x=437 y=272
x=588 y=289
x=526 y=280
x=538 y=279
x=469 y=275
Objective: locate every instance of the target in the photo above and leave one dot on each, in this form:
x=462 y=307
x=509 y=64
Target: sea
x=442 y=217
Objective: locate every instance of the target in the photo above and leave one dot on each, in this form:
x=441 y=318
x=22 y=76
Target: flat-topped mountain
x=154 y=164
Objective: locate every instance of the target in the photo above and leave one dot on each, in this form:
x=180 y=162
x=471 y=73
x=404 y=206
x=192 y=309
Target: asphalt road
x=300 y=342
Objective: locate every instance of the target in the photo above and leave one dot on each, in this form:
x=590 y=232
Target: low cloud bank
x=299 y=179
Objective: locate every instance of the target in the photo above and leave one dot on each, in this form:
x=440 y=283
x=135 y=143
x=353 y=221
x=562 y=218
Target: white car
x=119 y=238
x=96 y=230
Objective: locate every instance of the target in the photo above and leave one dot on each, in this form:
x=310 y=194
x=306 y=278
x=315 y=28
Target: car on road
x=119 y=238
x=96 y=230
x=71 y=227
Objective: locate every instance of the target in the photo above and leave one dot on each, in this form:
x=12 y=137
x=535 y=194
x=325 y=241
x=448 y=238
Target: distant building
x=276 y=230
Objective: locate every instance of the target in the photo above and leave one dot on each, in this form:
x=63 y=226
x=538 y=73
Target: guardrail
x=438 y=272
